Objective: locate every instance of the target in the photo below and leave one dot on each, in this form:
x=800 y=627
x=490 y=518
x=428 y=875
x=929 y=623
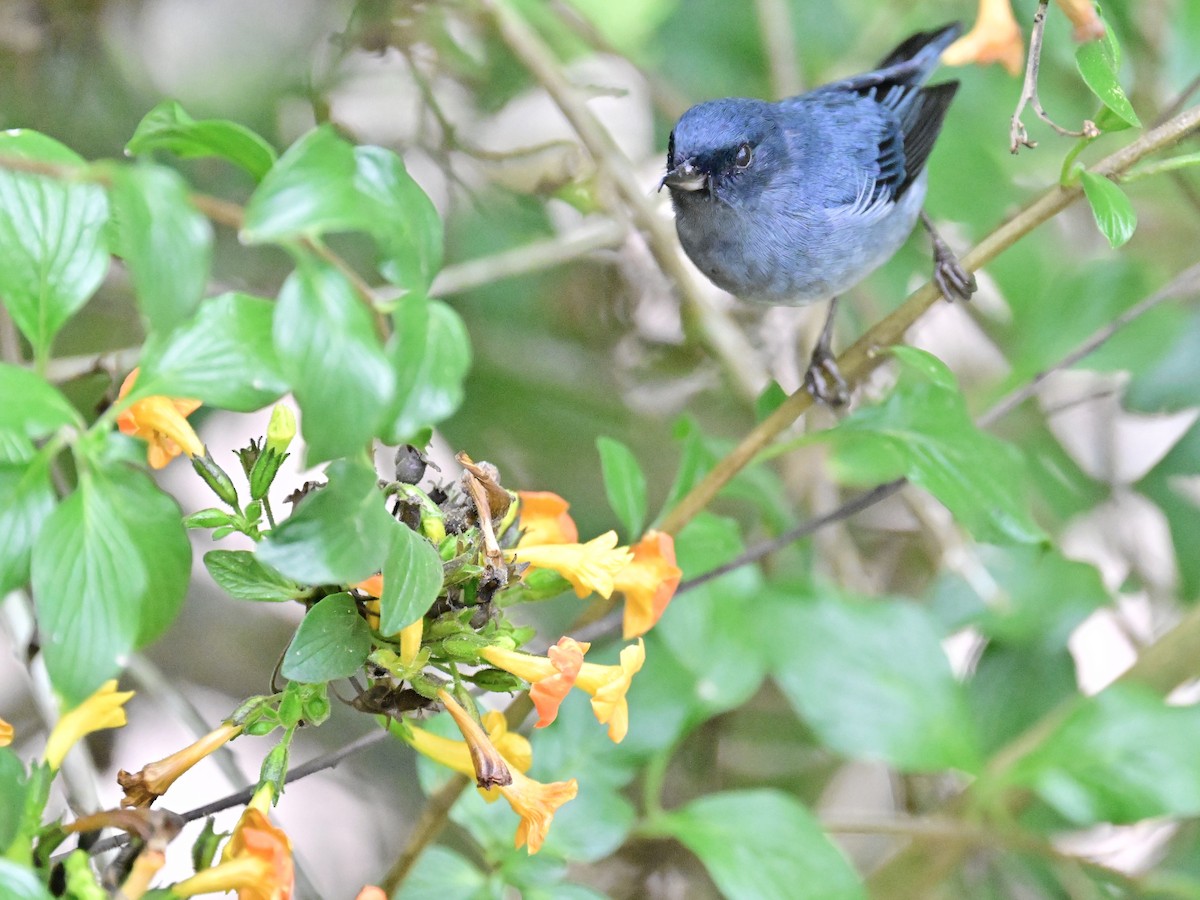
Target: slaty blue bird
x=797 y=201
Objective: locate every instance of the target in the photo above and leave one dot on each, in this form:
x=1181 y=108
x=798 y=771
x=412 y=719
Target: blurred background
x=576 y=333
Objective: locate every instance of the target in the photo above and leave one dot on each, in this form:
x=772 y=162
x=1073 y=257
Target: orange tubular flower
x=533 y=801
x=6 y=733
x=104 y=709
x=551 y=677
x=370 y=892
x=141 y=788
x=606 y=684
x=257 y=861
x=649 y=582
x=162 y=423
x=589 y=567
x=544 y=519
x=1082 y=14
x=995 y=37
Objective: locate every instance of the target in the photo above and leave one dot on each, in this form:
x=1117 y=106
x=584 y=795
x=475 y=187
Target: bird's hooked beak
x=685 y=177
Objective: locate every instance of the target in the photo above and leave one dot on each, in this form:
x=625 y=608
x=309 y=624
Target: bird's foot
x=823 y=379
x=955 y=282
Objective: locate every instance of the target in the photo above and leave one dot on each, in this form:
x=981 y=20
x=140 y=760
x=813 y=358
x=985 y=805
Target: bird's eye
x=671 y=151
x=744 y=155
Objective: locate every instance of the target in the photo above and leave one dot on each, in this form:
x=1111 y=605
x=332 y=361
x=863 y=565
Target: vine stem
x=864 y=355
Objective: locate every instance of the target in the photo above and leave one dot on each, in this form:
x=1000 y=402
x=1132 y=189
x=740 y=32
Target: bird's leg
x=955 y=282
x=823 y=379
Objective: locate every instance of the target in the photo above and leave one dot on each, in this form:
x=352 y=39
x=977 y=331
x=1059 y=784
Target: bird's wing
x=911 y=115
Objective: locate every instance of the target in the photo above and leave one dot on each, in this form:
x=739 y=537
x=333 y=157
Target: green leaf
x=332 y=358
x=624 y=483
x=168 y=127
x=323 y=185
x=716 y=633
x=224 y=355
x=165 y=242
x=241 y=574
x=1122 y=756
x=1111 y=208
x=14 y=788
x=333 y=641
x=412 y=579
x=1035 y=595
x=337 y=535
x=52 y=251
x=403 y=220
x=871 y=679
x=110 y=569
x=1099 y=63
x=923 y=431
x=21 y=883
x=309 y=192
x=441 y=874
x=32 y=407
x=26 y=501
x=1013 y=686
x=760 y=845
x=430 y=353
x=695 y=461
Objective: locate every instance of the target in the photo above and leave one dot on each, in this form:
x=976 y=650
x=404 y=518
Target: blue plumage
x=796 y=201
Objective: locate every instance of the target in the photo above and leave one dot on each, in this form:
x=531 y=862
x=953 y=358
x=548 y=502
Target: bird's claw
x=955 y=282
x=824 y=380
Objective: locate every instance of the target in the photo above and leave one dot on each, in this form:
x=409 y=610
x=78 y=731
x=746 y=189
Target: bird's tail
x=920 y=53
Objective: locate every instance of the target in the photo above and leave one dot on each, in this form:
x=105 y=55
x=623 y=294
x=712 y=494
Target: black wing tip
x=932 y=42
x=922 y=126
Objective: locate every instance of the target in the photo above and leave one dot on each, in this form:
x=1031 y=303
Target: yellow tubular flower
x=544 y=519
x=101 y=710
x=410 y=641
x=995 y=37
x=455 y=755
x=145 y=867
x=648 y=582
x=142 y=787
x=162 y=423
x=256 y=862
x=536 y=804
x=6 y=733
x=551 y=677
x=589 y=567
x=608 y=686
x=533 y=801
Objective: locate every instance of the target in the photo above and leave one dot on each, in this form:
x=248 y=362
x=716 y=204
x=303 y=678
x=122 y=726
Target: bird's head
x=720 y=150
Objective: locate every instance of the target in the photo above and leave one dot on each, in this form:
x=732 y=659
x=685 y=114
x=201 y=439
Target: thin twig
x=779 y=44
x=668 y=101
x=1185 y=283
x=864 y=356
x=1018 y=136
x=427 y=827
x=241 y=798
x=725 y=340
